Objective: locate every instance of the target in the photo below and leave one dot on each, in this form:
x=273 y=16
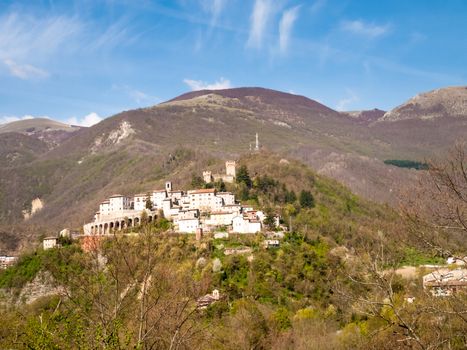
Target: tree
x=197 y=181
x=290 y=197
x=243 y=176
x=306 y=199
x=149 y=203
x=270 y=221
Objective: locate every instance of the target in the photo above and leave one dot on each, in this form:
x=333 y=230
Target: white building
x=227 y=197
x=50 y=242
x=117 y=202
x=157 y=197
x=245 y=225
x=445 y=282
x=139 y=202
x=7 y=261
x=188 y=225
x=220 y=218
x=205 y=200
x=104 y=207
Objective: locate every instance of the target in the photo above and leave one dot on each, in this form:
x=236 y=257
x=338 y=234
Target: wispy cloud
x=23 y=36
x=285 y=27
x=262 y=11
x=344 y=103
x=24 y=71
x=317 y=5
x=195 y=85
x=12 y=118
x=88 y=120
x=27 y=41
x=136 y=95
x=214 y=8
x=361 y=28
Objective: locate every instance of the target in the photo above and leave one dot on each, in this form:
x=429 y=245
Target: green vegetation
x=415 y=257
x=403 y=163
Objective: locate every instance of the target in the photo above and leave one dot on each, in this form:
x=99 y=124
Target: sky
x=82 y=61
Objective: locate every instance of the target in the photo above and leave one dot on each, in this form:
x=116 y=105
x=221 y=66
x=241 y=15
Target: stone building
x=229 y=176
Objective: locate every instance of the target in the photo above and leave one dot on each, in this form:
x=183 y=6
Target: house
x=445 y=282
x=227 y=197
x=157 y=197
x=50 y=242
x=117 y=202
x=139 y=201
x=458 y=261
x=208 y=299
x=187 y=214
x=271 y=243
x=104 y=208
x=188 y=225
x=220 y=218
x=7 y=261
x=205 y=200
x=242 y=224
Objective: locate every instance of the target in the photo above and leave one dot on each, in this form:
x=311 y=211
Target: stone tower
x=168 y=186
x=230 y=166
x=207 y=176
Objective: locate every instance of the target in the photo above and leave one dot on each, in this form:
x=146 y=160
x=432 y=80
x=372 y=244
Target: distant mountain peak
x=445 y=102
x=268 y=96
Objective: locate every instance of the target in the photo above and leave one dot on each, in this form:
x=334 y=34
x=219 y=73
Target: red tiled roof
x=204 y=190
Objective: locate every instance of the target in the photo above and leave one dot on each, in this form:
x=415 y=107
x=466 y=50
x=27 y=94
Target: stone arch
x=122 y=224
x=117 y=225
x=137 y=221
x=111 y=226
x=130 y=222
x=101 y=229
x=106 y=228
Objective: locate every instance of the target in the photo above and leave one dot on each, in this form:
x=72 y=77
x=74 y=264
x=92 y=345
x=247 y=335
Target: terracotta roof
x=204 y=190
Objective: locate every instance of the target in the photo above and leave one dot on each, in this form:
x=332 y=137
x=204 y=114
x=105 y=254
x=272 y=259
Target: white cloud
x=285 y=27
x=195 y=85
x=262 y=11
x=12 y=118
x=365 y=29
x=344 y=103
x=88 y=120
x=24 y=71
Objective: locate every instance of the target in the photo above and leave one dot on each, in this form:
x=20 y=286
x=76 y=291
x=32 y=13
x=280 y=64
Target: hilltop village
x=190 y=211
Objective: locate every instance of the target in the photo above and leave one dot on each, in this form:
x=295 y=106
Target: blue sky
x=80 y=61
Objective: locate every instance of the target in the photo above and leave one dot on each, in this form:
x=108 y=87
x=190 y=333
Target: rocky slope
x=448 y=102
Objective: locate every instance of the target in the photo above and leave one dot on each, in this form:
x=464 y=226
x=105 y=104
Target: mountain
x=450 y=102
x=137 y=150
x=366 y=116
x=18 y=149
x=50 y=131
